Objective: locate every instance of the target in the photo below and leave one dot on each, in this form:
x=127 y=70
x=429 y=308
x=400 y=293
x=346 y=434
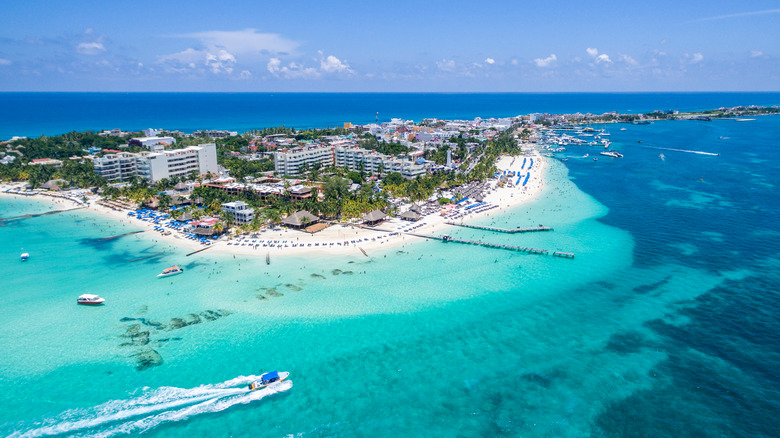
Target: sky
x=390 y=46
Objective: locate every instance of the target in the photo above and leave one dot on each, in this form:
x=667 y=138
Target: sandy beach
x=340 y=239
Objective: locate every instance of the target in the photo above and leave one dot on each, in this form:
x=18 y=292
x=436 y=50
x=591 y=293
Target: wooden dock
x=200 y=250
x=27 y=216
x=501 y=230
x=523 y=249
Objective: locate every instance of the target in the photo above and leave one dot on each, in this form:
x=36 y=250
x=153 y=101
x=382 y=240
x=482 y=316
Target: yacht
x=89 y=299
x=268 y=379
x=612 y=154
x=173 y=270
x=25 y=256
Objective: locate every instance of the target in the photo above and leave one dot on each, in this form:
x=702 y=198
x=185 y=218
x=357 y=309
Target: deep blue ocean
x=665 y=324
x=35 y=114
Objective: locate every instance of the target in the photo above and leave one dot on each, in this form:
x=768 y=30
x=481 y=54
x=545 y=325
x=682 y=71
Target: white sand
x=346 y=239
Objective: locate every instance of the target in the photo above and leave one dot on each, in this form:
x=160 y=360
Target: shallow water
x=663 y=324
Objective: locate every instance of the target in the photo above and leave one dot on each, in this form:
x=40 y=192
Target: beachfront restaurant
x=204 y=227
x=300 y=219
x=374 y=217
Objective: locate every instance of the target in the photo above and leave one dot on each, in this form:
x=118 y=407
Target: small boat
x=89 y=299
x=173 y=270
x=595 y=159
x=662 y=157
x=268 y=379
x=612 y=154
x=25 y=256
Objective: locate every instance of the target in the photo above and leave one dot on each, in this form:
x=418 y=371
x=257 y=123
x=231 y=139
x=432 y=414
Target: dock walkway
x=523 y=249
x=501 y=230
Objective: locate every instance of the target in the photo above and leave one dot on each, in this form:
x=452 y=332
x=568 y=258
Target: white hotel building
x=352 y=157
x=155 y=166
x=289 y=161
x=241 y=211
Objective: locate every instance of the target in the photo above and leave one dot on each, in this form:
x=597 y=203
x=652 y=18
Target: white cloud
x=244 y=42
x=245 y=74
x=331 y=64
x=603 y=58
x=221 y=62
x=628 y=60
x=4 y=61
x=697 y=57
x=756 y=53
x=93 y=48
x=291 y=70
x=544 y=62
x=446 y=65
x=592 y=51
x=490 y=61
x=514 y=62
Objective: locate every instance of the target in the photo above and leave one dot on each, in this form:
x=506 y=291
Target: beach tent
x=186 y=216
x=299 y=219
x=374 y=217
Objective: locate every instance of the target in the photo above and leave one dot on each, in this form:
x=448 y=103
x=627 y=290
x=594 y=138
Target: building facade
x=241 y=211
x=155 y=166
x=116 y=167
x=290 y=161
x=353 y=158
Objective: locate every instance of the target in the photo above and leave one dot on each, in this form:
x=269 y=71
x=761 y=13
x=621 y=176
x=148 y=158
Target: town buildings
x=290 y=161
x=154 y=166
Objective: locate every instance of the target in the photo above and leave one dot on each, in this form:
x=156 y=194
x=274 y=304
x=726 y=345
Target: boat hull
x=91 y=303
x=254 y=386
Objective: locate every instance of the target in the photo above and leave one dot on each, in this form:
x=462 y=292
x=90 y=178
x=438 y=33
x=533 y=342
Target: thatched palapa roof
x=299 y=218
x=374 y=216
x=410 y=216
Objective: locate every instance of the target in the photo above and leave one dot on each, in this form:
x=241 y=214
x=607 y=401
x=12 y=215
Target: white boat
x=90 y=299
x=25 y=256
x=268 y=379
x=612 y=154
x=173 y=270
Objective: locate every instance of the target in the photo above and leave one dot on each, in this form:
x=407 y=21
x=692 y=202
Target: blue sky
x=292 y=45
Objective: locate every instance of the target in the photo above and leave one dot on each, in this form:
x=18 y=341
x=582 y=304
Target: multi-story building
x=241 y=211
x=116 y=167
x=178 y=162
x=154 y=166
x=289 y=161
x=353 y=158
x=151 y=142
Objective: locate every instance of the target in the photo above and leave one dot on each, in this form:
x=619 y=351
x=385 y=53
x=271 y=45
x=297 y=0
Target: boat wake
x=151 y=409
x=683 y=150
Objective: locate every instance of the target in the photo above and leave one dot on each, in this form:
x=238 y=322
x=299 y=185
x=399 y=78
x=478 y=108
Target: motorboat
x=268 y=379
x=25 y=256
x=173 y=270
x=89 y=299
x=613 y=154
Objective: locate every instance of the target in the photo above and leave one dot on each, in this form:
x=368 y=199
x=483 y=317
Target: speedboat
x=268 y=379
x=173 y=270
x=613 y=154
x=25 y=256
x=90 y=299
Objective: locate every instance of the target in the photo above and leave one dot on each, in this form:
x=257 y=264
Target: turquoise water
x=661 y=326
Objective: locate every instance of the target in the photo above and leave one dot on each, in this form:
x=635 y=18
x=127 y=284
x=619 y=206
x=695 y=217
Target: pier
x=120 y=235
x=200 y=250
x=27 y=216
x=502 y=230
x=447 y=238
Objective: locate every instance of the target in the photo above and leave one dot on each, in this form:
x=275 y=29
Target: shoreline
x=340 y=239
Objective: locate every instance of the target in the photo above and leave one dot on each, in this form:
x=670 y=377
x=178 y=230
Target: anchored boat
x=89 y=299
x=173 y=270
